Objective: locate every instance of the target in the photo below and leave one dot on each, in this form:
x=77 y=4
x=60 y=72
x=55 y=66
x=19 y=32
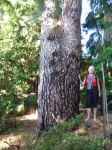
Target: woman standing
x=93 y=92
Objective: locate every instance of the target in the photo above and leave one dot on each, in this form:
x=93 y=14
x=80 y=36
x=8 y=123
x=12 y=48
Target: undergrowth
x=63 y=136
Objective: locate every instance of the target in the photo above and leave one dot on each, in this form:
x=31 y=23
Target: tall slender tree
x=58 y=95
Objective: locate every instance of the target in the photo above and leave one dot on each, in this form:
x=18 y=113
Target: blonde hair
x=91 y=67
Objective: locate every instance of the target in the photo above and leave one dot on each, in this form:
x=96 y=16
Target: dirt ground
x=24 y=133
x=17 y=138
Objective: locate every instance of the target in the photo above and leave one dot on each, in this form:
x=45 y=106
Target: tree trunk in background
x=58 y=94
x=108 y=31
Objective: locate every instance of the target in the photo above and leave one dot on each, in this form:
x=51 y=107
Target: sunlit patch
x=28 y=117
x=7 y=140
x=49 y=4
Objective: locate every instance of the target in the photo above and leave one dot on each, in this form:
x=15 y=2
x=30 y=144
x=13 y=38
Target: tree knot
x=55 y=33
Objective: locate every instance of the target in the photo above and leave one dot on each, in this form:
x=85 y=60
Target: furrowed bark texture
x=58 y=95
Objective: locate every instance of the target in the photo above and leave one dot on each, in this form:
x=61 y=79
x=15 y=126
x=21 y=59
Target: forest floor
x=24 y=133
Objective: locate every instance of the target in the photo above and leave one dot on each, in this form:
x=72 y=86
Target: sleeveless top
x=91 y=82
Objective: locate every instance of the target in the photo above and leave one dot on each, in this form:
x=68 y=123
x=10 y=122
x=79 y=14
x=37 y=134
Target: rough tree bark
x=58 y=94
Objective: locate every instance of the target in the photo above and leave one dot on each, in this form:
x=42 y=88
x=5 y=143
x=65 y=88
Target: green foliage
x=30 y=102
x=93 y=20
x=100 y=5
x=83 y=97
x=58 y=5
x=19 y=52
x=64 y=137
x=99 y=45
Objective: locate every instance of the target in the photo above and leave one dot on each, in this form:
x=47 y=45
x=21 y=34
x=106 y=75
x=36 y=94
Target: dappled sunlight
x=7 y=140
x=32 y=116
x=25 y=130
x=49 y=4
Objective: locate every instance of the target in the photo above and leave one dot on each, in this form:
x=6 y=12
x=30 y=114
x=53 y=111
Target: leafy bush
x=64 y=137
x=83 y=97
x=30 y=102
x=19 y=54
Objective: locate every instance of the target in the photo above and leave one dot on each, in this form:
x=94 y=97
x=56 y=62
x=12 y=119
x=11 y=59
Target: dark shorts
x=92 y=97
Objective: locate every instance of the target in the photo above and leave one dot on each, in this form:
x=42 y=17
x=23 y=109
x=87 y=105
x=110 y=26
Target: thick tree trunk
x=58 y=95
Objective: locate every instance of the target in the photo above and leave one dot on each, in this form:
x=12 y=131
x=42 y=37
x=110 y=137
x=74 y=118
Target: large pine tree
x=58 y=94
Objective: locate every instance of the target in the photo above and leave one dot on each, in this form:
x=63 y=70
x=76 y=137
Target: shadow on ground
x=20 y=134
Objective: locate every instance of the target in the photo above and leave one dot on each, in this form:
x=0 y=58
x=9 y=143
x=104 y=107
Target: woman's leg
x=89 y=104
x=94 y=112
x=95 y=101
x=88 y=114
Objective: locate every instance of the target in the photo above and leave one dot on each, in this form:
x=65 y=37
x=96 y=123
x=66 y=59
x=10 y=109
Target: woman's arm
x=82 y=82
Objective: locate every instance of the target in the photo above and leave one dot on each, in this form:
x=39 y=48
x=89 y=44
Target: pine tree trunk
x=58 y=94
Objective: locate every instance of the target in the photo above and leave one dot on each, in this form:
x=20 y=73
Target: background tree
x=19 y=54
